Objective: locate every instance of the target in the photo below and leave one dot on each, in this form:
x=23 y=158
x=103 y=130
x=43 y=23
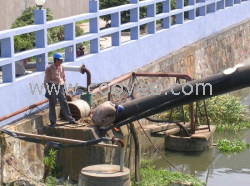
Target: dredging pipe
x=226 y=81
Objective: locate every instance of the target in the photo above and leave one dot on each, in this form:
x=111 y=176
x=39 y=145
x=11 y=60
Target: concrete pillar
x=237 y=1
x=70 y=51
x=229 y=3
x=180 y=16
x=151 y=13
x=202 y=10
x=211 y=8
x=179 y=4
x=191 y=13
x=116 y=22
x=104 y=175
x=166 y=8
x=8 y=70
x=41 y=39
x=221 y=4
x=134 y=17
x=94 y=26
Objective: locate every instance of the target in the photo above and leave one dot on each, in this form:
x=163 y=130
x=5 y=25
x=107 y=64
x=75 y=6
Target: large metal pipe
x=226 y=81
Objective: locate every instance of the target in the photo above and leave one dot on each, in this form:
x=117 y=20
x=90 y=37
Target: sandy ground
x=85 y=26
x=105 y=41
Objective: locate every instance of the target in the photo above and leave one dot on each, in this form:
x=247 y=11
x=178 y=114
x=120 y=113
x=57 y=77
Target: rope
x=158 y=149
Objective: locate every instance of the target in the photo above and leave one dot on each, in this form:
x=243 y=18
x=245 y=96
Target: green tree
x=27 y=18
x=125 y=15
x=28 y=40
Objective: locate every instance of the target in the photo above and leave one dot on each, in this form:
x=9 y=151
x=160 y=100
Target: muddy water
x=211 y=166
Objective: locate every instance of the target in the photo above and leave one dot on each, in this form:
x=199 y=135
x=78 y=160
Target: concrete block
x=105 y=175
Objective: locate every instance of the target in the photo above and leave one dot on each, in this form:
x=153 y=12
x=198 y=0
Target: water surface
x=211 y=166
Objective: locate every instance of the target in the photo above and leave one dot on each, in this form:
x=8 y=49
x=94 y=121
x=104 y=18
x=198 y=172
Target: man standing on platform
x=54 y=84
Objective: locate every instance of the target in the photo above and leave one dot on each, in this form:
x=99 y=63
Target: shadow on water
x=212 y=166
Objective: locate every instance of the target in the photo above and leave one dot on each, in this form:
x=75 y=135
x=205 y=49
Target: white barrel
x=104 y=175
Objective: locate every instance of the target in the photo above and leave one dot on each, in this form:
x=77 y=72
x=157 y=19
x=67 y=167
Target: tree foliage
x=125 y=15
x=28 y=40
x=27 y=18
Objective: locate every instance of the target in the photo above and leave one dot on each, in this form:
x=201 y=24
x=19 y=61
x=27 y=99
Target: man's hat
x=58 y=55
x=119 y=109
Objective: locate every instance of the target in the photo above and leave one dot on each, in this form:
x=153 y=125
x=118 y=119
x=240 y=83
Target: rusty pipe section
x=82 y=69
x=224 y=82
x=69 y=98
x=122 y=146
x=177 y=75
x=127 y=76
x=123 y=78
x=85 y=70
x=23 y=110
x=134 y=74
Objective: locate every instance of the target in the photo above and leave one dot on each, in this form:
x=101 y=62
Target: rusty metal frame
x=176 y=75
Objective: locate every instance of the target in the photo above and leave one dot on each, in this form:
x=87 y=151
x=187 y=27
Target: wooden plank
x=169 y=132
x=161 y=127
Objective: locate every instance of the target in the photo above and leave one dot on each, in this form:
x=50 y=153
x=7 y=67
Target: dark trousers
x=60 y=94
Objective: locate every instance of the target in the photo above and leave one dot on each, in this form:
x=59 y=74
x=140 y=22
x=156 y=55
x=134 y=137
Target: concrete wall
x=10 y=10
x=21 y=159
x=25 y=160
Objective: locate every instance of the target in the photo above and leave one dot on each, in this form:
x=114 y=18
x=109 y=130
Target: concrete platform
x=75 y=158
x=201 y=140
x=203 y=133
x=30 y=156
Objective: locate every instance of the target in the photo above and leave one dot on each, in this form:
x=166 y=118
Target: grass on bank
x=225 y=112
x=151 y=177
